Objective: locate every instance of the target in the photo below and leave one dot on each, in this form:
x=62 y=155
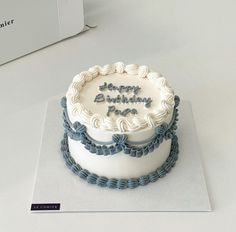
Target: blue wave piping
x=114 y=183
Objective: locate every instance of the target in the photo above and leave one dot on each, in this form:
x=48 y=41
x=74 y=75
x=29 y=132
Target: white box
x=28 y=25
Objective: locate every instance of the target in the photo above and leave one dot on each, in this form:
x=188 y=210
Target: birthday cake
x=120 y=126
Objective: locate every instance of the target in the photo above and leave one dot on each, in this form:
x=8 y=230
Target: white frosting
x=84 y=88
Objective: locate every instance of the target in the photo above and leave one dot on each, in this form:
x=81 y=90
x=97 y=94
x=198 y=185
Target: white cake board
x=183 y=189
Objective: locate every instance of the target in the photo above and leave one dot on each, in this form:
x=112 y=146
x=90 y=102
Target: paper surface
x=183 y=189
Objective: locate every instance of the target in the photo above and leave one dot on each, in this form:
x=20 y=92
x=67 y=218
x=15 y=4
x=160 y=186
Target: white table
x=191 y=42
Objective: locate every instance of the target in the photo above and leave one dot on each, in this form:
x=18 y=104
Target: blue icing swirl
x=122 y=184
x=79 y=127
x=119 y=139
x=133 y=183
x=63 y=102
x=161 y=129
x=177 y=100
x=83 y=173
x=92 y=178
x=75 y=168
x=102 y=181
x=144 y=180
x=112 y=183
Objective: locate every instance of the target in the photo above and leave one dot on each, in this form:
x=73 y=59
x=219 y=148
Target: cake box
x=29 y=25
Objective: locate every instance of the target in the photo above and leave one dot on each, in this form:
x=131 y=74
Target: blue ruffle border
x=113 y=183
x=77 y=131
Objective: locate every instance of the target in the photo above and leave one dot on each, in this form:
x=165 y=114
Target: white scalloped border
x=121 y=124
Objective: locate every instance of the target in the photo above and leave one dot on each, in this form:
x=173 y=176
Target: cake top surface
x=120 y=98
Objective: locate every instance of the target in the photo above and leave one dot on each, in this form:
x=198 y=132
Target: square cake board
x=183 y=189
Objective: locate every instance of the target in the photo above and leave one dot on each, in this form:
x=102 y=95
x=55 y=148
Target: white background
x=191 y=42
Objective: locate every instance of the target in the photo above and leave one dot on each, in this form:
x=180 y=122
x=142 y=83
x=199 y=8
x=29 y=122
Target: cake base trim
x=113 y=183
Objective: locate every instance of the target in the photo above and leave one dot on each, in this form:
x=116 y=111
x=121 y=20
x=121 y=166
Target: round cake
x=120 y=126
